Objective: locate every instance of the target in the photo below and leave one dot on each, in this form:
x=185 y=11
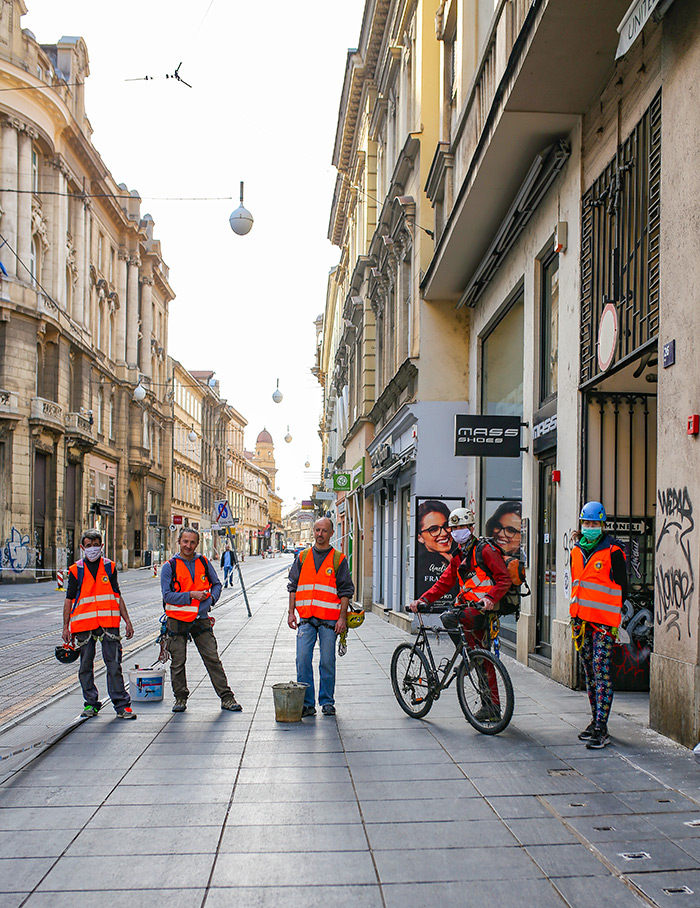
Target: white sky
x=266 y=83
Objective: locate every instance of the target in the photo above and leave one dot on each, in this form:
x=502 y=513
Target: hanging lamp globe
x=288 y=437
x=192 y=435
x=277 y=395
x=139 y=392
x=241 y=219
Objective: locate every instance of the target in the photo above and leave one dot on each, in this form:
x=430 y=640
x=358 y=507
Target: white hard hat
x=461 y=517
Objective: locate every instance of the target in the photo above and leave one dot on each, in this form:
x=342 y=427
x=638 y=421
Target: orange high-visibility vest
x=595 y=596
x=182 y=582
x=317 y=591
x=478 y=585
x=96 y=604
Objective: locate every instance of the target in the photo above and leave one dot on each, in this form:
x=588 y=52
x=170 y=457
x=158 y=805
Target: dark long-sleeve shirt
x=343 y=580
x=91 y=566
x=496 y=567
x=174 y=598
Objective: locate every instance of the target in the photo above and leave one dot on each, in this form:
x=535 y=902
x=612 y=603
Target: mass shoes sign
x=487 y=436
x=544 y=428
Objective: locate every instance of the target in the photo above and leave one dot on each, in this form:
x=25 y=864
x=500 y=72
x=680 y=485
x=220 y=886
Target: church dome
x=264 y=438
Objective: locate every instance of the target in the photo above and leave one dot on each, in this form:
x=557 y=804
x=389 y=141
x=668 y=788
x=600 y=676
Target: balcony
x=9 y=405
x=47 y=414
x=79 y=431
x=539 y=70
x=140 y=462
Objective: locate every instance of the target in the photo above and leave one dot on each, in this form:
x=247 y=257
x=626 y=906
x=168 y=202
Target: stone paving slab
x=368 y=809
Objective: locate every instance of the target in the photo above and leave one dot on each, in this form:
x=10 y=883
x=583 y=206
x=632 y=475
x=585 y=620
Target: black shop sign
x=487 y=436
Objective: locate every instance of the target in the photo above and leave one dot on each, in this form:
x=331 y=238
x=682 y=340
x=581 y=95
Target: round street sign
x=607 y=336
x=172 y=527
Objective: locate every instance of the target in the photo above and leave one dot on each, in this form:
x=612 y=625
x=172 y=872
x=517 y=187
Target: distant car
x=299 y=548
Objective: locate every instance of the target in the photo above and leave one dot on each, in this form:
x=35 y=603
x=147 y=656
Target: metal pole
x=238 y=568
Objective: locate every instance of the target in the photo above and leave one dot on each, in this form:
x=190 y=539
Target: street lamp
x=277 y=394
x=192 y=435
x=241 y=219
x=139 y=392
x=288 y=437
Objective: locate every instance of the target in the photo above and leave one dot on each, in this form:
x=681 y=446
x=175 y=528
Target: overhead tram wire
x=346 y=179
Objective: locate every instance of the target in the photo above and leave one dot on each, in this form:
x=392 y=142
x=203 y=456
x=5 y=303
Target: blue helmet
x=593 y=510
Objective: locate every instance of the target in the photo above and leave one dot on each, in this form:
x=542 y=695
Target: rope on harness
x=578 y=632
x=343 y=643
x=494 y=628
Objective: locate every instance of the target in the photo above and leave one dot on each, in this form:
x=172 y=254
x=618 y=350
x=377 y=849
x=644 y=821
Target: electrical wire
x=363 y=192
x=121 y=198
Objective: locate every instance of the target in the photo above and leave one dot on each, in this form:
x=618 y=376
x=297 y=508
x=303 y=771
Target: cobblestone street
x=370 y=808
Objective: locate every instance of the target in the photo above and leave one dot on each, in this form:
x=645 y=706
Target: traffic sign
x=222 y=514
x=172 y=527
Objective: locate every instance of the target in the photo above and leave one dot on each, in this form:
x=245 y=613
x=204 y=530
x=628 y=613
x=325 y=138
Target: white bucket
x=146 y=683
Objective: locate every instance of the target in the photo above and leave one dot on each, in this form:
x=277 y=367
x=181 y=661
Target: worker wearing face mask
x=598 y=589
x=93 y=610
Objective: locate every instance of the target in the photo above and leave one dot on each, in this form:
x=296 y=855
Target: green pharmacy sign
x=341 y=482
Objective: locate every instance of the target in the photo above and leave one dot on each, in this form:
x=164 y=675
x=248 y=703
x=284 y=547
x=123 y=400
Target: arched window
x=100 y=411
x=110 y=335
x=146 y=441
x=39 y=370
x=98 y=333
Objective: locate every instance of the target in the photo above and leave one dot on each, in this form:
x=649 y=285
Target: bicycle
x=484 y=688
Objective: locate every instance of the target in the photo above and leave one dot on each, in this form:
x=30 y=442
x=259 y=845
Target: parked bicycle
x=484 y=688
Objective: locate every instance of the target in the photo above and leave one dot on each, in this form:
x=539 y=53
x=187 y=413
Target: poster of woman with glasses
x=504 y=527
x=434 y=546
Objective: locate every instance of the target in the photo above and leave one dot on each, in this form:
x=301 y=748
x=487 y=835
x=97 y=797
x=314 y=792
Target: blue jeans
x=306 y=640
x=228 y=576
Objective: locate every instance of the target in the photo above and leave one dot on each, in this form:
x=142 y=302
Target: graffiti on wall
x=630 y=662
x=674 y=575
x=567 y=543
x=16 y=554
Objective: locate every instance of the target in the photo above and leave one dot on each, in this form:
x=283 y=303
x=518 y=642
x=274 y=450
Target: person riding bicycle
x=484 y=586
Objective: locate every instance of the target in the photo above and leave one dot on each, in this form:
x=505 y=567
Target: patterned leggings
x=596 y=655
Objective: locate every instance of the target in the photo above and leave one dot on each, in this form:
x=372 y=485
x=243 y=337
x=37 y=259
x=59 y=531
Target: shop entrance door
x=620 y=470
x=546 y=559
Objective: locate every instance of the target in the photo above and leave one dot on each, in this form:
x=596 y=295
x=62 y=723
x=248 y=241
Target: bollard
x=59 y=580
x=155 y=569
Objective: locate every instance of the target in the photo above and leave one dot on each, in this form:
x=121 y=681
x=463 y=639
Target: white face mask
x=92 y=552
x=461 y=534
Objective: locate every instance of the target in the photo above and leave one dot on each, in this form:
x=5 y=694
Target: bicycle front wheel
x=485 y=692
x=409 y=679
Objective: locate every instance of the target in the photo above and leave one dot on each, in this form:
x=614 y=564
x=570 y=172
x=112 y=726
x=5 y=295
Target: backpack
x=109 y=570
x=515 y=565
x=337 y=558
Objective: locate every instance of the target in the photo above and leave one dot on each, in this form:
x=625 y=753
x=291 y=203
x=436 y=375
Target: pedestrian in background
x=227 y=565
x=598 y=589
x=190 y=587
x=320 y=588
x=92 y=611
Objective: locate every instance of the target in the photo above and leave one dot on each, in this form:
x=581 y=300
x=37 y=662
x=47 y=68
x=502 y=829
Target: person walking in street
x=92 y=611
x=190 y=587
x=598 y=589
x=227 y=565
x=320 y=588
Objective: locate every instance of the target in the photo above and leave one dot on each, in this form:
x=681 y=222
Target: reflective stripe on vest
x=186 y=584
x=476 y=587
x=317 y=592
x=595 y=597
x=95 y=604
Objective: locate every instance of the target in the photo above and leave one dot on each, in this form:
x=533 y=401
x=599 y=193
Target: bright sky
x=263 y=108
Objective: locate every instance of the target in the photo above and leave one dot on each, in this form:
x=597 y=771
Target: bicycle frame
x=436 y=684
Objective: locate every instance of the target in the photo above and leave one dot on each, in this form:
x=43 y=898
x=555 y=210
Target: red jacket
x=493 y=561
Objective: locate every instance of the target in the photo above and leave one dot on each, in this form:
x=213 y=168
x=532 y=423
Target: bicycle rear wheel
x=409 y=679
x=485 y=692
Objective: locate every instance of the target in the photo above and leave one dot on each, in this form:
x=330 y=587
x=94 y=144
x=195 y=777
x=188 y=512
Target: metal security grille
x=620 y=245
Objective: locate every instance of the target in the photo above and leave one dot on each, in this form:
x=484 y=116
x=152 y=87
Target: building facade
x=558 y=296
x=187 y=453
x=83 y=272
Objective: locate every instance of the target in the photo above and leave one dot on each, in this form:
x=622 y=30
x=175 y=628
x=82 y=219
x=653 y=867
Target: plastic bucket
x=289 y=701
x=146 y=683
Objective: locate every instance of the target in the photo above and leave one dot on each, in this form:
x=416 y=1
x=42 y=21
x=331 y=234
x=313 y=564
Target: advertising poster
x=434 y=546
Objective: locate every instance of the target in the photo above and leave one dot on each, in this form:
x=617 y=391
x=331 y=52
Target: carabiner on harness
x=578 y=632
x=494 y=628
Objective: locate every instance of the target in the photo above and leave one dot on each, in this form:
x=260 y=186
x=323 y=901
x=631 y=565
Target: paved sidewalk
x=369 y=809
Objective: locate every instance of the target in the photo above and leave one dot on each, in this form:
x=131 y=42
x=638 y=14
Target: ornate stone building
x=83 y=322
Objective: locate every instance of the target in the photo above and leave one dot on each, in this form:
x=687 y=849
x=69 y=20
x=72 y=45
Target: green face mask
x=591 y=534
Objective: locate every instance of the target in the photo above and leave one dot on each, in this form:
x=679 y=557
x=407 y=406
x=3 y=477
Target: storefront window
x=502 y=395
x=549 y=334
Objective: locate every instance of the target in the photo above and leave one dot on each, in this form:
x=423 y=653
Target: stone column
x=132 y=312
x=78 y=230
x=120 y=351
x=24 y=205
x=8 y=183
x=146 y=324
